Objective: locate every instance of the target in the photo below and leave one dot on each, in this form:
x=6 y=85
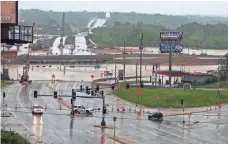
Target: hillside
x=51 y=21
x=195 y=35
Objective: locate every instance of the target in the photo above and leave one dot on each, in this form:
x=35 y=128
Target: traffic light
x=104 y=110
x=4 y=94
x=35 y=94
x=102 y=93
x=55 y=94
x=97 y=88
x=92 y=93
x=87 y=89
x=80 y=87
x=141 y=85
x=127 y=85
x=182 y=101
x=113 y=87
x=71 y=101
x=73 y=94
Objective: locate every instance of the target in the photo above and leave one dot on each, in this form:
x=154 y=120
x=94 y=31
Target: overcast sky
x=172 y=8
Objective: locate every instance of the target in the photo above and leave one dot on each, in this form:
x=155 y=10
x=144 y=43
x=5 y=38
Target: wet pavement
x=56 y=126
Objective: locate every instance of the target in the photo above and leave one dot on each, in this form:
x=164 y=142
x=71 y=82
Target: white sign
x=170 y=35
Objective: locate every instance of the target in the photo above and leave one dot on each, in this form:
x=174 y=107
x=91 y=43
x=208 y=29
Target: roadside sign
x=119 y=85
x=114 y=119
x=92 y=76
x=139 y=92
x=53 y=76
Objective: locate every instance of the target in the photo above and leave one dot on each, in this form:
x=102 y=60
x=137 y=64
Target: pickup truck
x=80 y=109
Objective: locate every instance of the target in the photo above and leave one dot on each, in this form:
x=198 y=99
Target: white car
x=80 y=109
x=37 y=109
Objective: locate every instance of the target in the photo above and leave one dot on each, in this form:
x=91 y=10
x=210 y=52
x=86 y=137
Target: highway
x=56 y=126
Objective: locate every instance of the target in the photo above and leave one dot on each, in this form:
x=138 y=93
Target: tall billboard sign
x=9 y=12
x=171 y=35
x=171 y=41
x=175 y=48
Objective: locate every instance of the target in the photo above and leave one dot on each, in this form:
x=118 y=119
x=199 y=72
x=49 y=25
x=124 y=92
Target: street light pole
x=170 y=65
x=124 y=63
x=140 y=48
x=115 y=69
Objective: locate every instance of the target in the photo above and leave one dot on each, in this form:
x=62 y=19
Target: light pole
x=140 y=48
x=124 y=63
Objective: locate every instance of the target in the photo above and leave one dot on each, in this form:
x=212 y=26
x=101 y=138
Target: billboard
x=176 y=48
x=9 y=12
x=171 y=35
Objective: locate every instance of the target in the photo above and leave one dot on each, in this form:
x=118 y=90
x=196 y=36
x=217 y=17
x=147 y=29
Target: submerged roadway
x=56 y=126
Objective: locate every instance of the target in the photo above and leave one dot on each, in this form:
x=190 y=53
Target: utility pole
x=115 y=68
x=140 y=48
x=124 y=63
x=136 y=73
x=170 y=65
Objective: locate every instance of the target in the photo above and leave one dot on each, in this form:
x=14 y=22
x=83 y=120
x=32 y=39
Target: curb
x=63 y=102
x=118 y=139
x=107 y=127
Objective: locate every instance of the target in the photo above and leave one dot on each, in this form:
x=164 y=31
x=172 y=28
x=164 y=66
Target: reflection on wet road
x=56 y=126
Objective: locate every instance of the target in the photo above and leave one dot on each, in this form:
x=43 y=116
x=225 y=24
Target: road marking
x=154 y=134
x=88 y=139
x=13 y=86
x=173 y=134
x=218 y=133
x=181 y=131
x=51 y=130
x=25 y=125
x=136 y=134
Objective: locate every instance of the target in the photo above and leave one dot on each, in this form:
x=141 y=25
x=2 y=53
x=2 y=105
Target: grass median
x=10 y=137
x=6 y=83
x=172 y=97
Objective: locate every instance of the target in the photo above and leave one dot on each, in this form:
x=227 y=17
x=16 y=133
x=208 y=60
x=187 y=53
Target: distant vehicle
x=155 y=116
x=80 y=109
x=37 y=109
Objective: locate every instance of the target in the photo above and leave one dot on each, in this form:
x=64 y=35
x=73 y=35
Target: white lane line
x=197 y=136
x=51 y=130
x=218 y=133
x=13 y=86
x=137 y=134
x=88 y=139
x=155 y=134
x=174 y=134
x=25 y=125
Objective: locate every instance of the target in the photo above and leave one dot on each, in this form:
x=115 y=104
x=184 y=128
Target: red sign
x=118 y=85
x=53 y=76
x=92 y=76
x=139 y=92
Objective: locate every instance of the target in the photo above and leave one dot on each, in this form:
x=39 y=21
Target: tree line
x=195 y=35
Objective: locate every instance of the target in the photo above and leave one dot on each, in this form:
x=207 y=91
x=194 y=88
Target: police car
x=80 y=109
x=37 y=110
